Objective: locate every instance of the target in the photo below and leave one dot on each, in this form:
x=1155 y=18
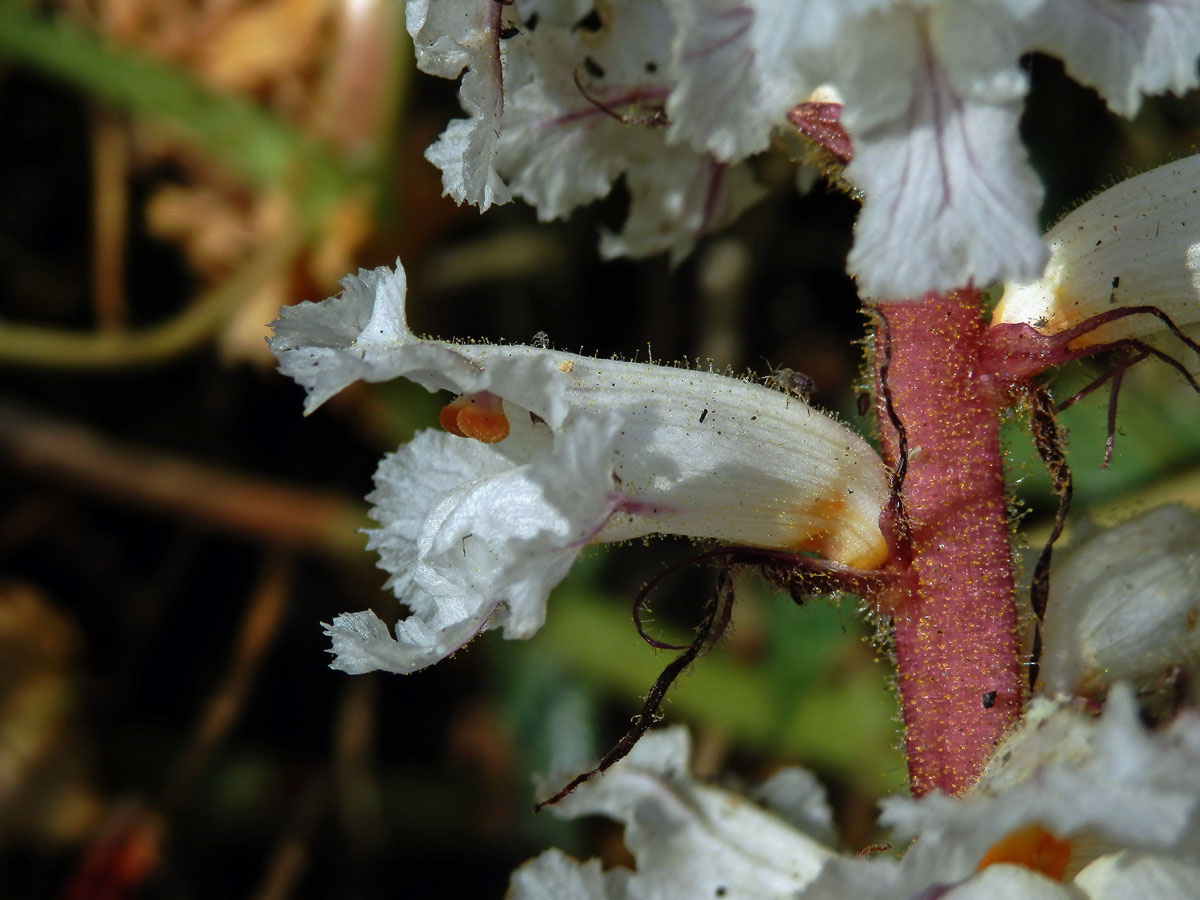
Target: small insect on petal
x=479 y=416
x=1135 y=244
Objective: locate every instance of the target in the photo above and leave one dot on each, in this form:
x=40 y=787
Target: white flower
x=689 y=839
x=1125 y=606
x=1125 y=49
x=567 y=451
x=1135 y=244
x=933 y=93
x=448 y=37
x=1071 y=808
x=1065 y=805
x=549 y=105
x=933 y=98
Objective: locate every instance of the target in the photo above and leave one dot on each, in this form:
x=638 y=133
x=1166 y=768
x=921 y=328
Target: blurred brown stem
x=242 y=504
x=255 y=636
x=290 y=857
x=110 y=209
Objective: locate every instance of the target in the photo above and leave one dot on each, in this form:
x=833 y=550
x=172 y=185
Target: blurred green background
x=172 y=530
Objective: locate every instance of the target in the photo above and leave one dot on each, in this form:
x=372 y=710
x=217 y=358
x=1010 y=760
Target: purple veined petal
x=949 y=197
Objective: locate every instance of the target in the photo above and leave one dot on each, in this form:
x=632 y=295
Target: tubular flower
x=546 y=452
x=1136 y=244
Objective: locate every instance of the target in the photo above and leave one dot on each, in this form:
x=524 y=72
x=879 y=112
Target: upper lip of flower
x=591 y=451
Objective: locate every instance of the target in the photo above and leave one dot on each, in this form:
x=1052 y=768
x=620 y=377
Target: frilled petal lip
x=478 y=544
x=691 y=839
x=362 y=334
x=950 y=199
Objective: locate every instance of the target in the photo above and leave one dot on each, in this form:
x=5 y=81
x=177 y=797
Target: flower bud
x=1124 y=605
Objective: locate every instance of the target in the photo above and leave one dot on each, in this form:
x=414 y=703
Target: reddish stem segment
x=956 y=631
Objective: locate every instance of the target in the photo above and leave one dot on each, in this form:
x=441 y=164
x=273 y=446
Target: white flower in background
x=449 y=37
x=933 y=92
x=1125 y=606
x=1071 y=807
x=1067 y=803
x=689 y=839
x=546 y=103
x=546 y=452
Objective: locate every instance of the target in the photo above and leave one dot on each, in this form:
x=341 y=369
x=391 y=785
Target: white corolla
x=544 y=452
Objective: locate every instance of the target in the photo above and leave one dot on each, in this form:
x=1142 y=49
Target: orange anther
x=448 y=418
x=479 y=416
x=1033 y=847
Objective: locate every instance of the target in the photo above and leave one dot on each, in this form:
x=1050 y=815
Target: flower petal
x=449 y=36
x=1123 y=48
x=1126 y=606
x=950 y=199
x=675 y=199
x=586 y=107
x=1131 y=876
x=737 y=71
x=363 y=334
x=797 y=797
x=1074 y=775
x=466 y=151
x=1135 y=244
x=474 y=541
x=556 y=876
x=689 y=839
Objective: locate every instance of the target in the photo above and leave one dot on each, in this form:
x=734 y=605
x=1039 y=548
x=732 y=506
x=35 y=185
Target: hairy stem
x=956 y=640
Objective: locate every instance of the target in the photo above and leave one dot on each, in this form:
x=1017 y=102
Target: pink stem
x=960 y=674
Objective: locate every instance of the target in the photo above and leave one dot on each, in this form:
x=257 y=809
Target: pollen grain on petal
x=479 y=416
x=1033 y=847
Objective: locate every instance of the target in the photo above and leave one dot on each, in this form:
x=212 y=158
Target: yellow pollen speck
x=566 y=366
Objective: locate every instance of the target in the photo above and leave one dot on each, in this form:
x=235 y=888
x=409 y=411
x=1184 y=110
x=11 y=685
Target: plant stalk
x=956 y=644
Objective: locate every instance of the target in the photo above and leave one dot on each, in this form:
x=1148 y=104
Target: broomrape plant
x=1032 y=770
